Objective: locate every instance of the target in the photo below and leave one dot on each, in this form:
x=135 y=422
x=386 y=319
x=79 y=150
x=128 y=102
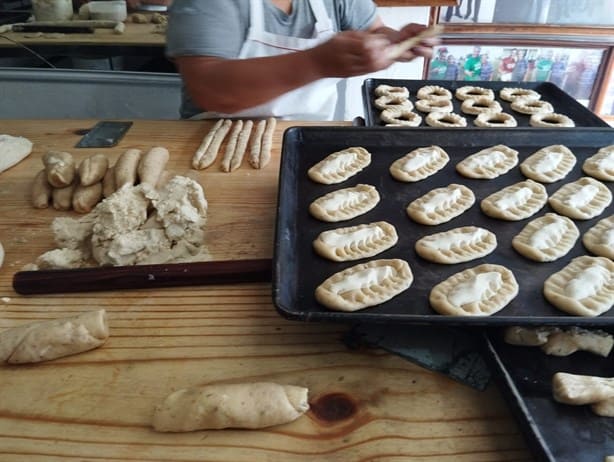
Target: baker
x=281 y=58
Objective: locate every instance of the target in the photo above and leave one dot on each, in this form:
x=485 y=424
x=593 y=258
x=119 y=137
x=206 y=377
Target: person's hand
x=351 y=53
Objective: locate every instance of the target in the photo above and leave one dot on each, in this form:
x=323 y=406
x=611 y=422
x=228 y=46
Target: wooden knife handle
x=142 y=276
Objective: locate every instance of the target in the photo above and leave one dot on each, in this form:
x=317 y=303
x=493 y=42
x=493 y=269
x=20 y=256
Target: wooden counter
x=366 y=404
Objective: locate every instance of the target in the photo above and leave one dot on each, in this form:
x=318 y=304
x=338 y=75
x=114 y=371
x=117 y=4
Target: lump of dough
x=1 y=255
x=46 y=340
x=244 y=405
x=13 y=149
x=61 y=259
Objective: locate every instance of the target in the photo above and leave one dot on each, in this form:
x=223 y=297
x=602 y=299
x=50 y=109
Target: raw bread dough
x=237 y=405
x=441 y=204
x=558 y=341
x=339 y=166
x=345 y=204
x=546 y=238
x=419 y=164
x=549 y=164
x=51 y=339
x=456 y=245
x=600 y=238
x=135 y=225
x=489 y=162
x=13 y=149
x=582 y=199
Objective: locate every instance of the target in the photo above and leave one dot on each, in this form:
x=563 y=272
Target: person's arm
x=231 y=85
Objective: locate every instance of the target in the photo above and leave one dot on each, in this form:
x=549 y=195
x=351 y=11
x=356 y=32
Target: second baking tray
x=298 y=270
x=561 y=101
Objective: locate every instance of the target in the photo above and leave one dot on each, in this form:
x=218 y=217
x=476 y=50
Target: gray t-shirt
x=219 y=27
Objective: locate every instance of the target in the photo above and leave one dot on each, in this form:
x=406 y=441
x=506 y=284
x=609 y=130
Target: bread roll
x=46 y=340
x=243 y=405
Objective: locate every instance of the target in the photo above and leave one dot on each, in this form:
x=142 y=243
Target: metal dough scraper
x=454 y=352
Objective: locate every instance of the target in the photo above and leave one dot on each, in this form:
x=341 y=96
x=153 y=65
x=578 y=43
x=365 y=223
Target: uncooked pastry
x=457 y=245
x=52 y=339
x=237 y=405
x=489 y=162
x=355 y=242
x=550 y=120
x=581 y=389
x=345 y=204
x=480 y=104
x=495 y=120
x=528 y=106
x=549 y=164
x=546 y=238
x=441 y=204
x=419 y=164
x=13 y=149
x=479 y=291
x=600 y=238
x=339 y=166
x=513 y=93
x=434 y=105
x=398 y=116
x=583 y=199
x=515 y=202
x=433 y=92
x=445 y=120
x=468 y=91
x=601 y=164
x=585 y=287
x=392 y=102
x=365 y=285
x=389 y=90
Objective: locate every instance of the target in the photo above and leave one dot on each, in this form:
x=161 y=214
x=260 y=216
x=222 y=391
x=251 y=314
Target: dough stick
x=581 y=389
x=126 y=168
x=398 y=49
x=211 y=152
x=237 y=156
x=254 y=152
x=231 y=145
x=200 y=152
x=267 y=142
x=152 y=164
x=51 y=339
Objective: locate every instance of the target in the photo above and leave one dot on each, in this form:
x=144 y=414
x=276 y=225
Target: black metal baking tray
x=298 y=270
x=561 y=101
x=555 y=432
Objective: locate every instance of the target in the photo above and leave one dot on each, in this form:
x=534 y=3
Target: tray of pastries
x=476 y=104
x=486 y=227
x=559 y=384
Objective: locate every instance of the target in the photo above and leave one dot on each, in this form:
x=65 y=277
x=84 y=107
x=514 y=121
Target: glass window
x=558 y=12
x=572 y=69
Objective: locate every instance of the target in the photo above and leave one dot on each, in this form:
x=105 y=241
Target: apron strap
x=323 y=22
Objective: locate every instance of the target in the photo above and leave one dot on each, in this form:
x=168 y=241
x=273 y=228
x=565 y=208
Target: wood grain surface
x=366 y=405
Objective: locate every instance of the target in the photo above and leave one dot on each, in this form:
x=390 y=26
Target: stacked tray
x=560 y=100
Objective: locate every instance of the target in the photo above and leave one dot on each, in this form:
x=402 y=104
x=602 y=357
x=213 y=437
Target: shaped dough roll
x=241 y=405
x=46 y=340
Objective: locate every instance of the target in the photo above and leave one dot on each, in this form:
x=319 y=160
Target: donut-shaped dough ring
x=495 y=120
x=400 y=116
x=445 y=120
x=528 y=106
x=511 y=93
x=433 y=92
x=388 y=101
x=434 y=105
x=468 y=91
x=478 y=105
x=551 y=120
x=389 y=90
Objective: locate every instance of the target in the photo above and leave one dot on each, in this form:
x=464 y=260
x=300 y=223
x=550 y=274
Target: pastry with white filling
x=601 y=164
x=345 y=204
x=585 y=287
x=546 y=238
x=355 y=242
x=339 y=166
x=515 y=202
x=457 y=245
x=365 y=285
x=600 y=238
x=488 y=163
x=419 y=164
x=582 y=199
x=549 y=164
x=480 y=291
x=441 y=204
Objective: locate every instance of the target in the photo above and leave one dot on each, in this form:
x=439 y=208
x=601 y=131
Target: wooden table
x=366 y=404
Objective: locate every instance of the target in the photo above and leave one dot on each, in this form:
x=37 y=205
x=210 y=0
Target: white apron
x=315 y=101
